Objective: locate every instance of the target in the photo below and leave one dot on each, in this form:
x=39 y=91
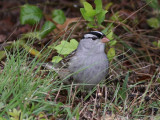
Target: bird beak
x=104 y=40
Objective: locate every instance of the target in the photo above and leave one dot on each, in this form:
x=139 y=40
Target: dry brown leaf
x=66 y=24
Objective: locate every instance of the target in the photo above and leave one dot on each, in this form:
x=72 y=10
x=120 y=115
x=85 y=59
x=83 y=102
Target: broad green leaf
x=98 y=4
x=56 y=59
x=101 y=16
x=89 y=9
x=111 y=53
x=83 y=12
x=46 y=29
x=153 y=22
x=74 y=43
x=66 y=48
x=58 y=16
x=94 y=16
x=30 y=14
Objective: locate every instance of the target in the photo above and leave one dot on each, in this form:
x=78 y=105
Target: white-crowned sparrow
x=89 y=64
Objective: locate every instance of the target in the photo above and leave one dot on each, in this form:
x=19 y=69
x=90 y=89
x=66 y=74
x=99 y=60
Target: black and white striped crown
x=97 y=34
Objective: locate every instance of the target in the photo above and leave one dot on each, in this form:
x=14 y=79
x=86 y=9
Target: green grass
x=22 y=87
x=27 y=92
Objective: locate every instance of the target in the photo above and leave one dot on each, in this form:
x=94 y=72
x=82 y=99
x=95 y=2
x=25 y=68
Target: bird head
x=93 y=41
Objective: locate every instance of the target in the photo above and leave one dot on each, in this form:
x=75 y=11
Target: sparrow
x=88 y=64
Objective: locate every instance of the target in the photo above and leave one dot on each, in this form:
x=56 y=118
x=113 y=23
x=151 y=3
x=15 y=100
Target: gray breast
x=89 y=69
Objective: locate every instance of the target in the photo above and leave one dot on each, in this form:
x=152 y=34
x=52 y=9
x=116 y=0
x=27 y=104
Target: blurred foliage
x=96 y=16
x=153 y=22
x=58 y=16
x=46 y=29
x=154 y=4
x=65 y=48
x=56 y=59
x=111 y=53
x=30 y=14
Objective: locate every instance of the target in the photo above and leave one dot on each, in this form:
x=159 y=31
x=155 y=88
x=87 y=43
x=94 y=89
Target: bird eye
x=94 y=38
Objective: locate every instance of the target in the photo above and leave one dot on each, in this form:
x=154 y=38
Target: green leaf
x=74 y=43
x=93 y=16
x=98 y=4
x=66 y=48
x=46 y=29
x=101 y=16
x=111 y=53
x=58 y=16
x=83 y=12
x=157 y=44
x=30 y=14
x=153 y=22
x=89 y=9
x=112 y=42
x=56 y=59
x=153 y=3
x=110 y=34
